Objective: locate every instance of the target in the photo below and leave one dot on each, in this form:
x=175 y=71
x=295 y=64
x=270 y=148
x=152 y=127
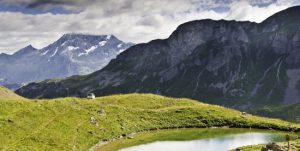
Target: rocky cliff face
x=72 y=54
x=237 y=64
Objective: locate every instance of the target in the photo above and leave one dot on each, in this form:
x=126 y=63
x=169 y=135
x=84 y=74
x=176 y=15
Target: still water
x=223 y=143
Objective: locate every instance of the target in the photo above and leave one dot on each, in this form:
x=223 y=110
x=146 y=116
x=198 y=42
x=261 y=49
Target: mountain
x=72 y=54
x=235 y=64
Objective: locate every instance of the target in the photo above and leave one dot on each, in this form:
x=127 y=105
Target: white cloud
x=243 y=11
x=130 y=20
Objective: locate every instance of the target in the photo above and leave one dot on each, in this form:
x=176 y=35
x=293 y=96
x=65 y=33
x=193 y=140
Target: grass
x=288 y=112
x=65 y=124
x=251 y=148
x=294 y=146
x=7 y=94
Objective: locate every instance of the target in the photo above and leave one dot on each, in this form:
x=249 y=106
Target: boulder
x=130 y=136
x=274 y=147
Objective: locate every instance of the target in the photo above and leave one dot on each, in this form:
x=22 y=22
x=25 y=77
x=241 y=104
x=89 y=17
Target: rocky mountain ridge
x=236 y=64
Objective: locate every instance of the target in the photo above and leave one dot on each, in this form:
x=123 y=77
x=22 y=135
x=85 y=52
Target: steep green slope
x=78 y=124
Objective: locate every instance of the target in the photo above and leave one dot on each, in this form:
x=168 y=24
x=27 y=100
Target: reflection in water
x=214 y=144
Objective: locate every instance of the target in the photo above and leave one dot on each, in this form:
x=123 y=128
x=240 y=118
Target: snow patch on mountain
x=121 y=50
x=102 y=43
x=64 y=43
x=87 y=51
x=108 y=37
x=70 y=48
x=54 y=53
x=44 y=53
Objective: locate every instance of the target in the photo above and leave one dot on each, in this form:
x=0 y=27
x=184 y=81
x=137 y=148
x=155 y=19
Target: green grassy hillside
x=65 y=124
x=7 y=94
x=289 y=112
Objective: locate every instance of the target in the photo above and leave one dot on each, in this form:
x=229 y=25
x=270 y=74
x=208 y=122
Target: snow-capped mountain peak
x=83 y=45
x=72 y=54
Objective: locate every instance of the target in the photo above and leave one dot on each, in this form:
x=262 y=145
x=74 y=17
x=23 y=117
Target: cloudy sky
x=41 y=22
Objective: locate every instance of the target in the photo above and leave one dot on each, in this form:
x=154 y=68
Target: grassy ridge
x=65 y=124
x=7 y=94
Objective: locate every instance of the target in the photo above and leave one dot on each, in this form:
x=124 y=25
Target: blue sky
x=40 y=22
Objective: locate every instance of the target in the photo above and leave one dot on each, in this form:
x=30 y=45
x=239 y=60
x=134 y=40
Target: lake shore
x=177 y=135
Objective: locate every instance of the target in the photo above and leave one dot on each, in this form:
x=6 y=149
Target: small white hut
x=91 y=96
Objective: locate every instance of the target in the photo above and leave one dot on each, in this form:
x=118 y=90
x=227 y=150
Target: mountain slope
x=237 y=64
x=65 y=124
x=72 y=54
x=287 y=112
x=6 y=94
